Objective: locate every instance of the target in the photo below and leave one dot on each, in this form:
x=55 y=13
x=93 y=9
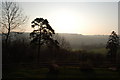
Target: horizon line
x=63 y=33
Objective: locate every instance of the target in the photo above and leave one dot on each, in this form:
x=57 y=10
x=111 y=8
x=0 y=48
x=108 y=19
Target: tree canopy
x=42 y=33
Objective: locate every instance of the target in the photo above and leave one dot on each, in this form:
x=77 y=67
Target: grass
x=64 y=73
x=99 y=50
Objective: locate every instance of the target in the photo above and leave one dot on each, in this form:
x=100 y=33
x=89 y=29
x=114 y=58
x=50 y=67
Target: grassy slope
x=64 y=72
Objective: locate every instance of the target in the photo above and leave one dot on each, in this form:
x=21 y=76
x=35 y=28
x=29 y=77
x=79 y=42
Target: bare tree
x=12 y=18
x=63 y=43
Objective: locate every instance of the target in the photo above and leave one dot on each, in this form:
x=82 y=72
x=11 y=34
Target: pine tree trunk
x=39 y=48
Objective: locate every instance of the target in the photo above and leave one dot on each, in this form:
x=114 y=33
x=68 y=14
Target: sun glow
x=82 y=18
x=69 y=21
x=65 y=21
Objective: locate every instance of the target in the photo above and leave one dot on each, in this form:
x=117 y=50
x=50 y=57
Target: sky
x=87 y=18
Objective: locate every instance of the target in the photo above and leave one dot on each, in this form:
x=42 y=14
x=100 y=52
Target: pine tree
x=112 y=46
x=42 y=35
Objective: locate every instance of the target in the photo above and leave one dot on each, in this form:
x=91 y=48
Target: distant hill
x=79 y=41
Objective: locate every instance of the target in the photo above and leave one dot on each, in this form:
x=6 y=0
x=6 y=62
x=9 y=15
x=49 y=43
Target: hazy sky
x=91 y=18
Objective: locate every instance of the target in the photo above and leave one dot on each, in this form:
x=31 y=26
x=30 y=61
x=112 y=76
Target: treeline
x=21 y=52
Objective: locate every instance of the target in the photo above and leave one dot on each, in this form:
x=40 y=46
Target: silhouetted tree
x=12 y=18
x=112 y=46
x=42 y=35
x=63 y=43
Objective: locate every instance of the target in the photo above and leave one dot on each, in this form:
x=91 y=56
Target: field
x=63 y=73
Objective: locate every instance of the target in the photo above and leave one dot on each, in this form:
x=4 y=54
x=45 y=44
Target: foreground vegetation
x=64 y=73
